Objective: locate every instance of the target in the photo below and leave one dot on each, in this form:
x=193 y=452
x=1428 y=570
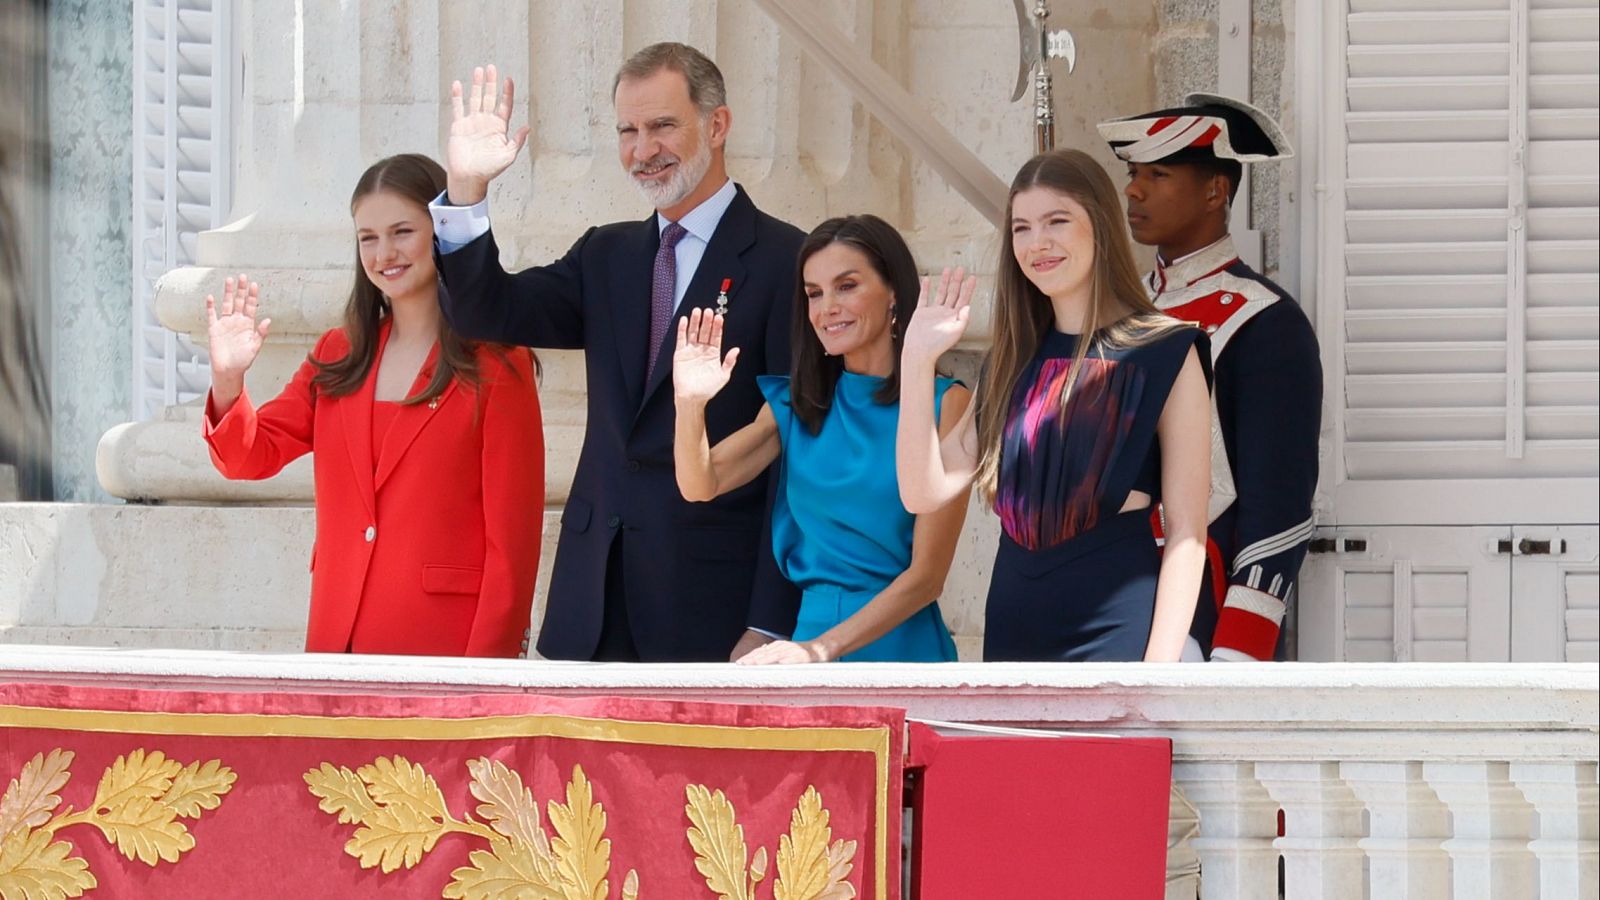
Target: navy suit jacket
x=695 y=574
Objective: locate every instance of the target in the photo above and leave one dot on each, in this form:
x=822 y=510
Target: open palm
x=943 y=310
x=481 y=144
x=236 y=336
x=699 y=370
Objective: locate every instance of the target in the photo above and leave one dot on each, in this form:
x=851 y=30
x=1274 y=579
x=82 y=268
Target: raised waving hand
x=236 y=337
x=943 y=309
x=481 y=144
x=699 y=370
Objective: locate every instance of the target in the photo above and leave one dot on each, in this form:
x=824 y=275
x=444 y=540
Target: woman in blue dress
x=1093 y=406
x=870 y=571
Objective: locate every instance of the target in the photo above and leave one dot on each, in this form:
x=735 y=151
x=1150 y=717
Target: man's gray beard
x=685 y=178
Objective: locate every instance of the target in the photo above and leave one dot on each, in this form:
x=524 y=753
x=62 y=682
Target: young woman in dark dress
x=1092 y=406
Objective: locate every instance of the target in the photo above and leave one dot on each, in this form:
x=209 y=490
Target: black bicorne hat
x=1206 y=127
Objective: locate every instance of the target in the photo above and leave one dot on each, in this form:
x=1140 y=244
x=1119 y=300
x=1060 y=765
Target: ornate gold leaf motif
x=808 y=868
x=505 y=870
x=33 y=867
x=400 y=814
x=199 y=788
x=136 y=807
x=583 y=855
x=145 y=830
x=341 y=792
x=506 y=805
x=33 y=794
x=718 y=842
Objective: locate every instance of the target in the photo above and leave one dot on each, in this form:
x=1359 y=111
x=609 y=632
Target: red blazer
x=436 y=550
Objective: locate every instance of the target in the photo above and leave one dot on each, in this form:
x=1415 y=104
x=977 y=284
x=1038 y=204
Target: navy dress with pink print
x=1074 y=578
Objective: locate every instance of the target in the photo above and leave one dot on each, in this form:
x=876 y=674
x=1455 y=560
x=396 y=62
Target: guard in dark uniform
x=1184 y=167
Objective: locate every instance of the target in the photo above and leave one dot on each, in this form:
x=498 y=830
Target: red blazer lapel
x=355 y=411
x=410 y=421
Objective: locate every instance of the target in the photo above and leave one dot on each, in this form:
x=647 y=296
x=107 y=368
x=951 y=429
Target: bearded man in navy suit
x=640 y=573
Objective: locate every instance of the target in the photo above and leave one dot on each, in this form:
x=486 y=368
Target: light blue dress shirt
x=457 y=226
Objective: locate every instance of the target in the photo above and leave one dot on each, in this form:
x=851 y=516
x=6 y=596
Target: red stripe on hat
x=1205 y=140
x=1160 y=124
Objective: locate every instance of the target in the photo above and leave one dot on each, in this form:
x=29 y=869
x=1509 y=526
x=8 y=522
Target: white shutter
x=1581 y=617
x=180 y=180
x=1555 y=593
x=1408 y=594
x=1463 y=364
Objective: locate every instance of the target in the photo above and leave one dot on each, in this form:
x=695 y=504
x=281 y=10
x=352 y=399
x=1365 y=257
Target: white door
x=1555 y=594
x=1400 y=594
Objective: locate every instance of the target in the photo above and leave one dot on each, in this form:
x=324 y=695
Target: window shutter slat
x=1470 y=321
x=180 y=79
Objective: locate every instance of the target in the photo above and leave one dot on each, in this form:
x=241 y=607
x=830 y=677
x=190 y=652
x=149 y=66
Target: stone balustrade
x=1394 y=781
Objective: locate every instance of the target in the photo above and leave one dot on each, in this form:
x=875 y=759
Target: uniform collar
x=1200 y=264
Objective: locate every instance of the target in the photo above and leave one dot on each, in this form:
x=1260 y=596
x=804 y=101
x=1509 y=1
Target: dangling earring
x=894 y=322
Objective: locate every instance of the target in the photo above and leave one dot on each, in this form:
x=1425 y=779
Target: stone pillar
x=1322 y=821
x=1568 y=846
x=1491 y=828
x=1407 y=826
x=1238 y=822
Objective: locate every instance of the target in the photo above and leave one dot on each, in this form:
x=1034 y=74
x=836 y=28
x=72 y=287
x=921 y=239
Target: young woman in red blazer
x=427 y=448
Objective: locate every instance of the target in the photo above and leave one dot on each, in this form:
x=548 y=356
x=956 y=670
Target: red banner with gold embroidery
x=206 y=794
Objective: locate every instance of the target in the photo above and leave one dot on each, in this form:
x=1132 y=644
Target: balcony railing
x=1394 y=781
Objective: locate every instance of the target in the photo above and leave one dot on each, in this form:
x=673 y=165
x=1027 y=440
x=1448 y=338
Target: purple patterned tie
x=662 y=281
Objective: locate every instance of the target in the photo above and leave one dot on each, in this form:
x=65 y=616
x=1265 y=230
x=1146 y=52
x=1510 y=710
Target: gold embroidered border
x=874 y=740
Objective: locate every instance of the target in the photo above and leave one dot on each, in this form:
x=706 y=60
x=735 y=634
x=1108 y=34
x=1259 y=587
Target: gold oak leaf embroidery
x=407 y=819
x=718 y=842
x=401 y=814
x=509 y=809
x=583 y=854
x=808 y=867
x=35 y=792
x=341 y=792
x=507 y=869
x=33 y=867
x=136 y=807
x=199 y=787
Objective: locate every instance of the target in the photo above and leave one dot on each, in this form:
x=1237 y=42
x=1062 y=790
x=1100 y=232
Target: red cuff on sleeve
x=1248 y=623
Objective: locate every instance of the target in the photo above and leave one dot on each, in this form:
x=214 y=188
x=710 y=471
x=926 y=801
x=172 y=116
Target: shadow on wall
x=25 y=470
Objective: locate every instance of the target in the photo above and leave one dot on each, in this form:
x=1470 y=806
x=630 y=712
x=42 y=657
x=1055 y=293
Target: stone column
x=1568 y=846
x=1491 y=828
x=1238 y=822
x=1322 y=821
x=1407 y=826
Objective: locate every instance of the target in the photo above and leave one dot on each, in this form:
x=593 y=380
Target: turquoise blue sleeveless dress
x=838 y=530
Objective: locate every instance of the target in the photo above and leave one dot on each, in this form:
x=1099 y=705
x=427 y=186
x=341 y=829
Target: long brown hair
x=814 y=374
x=1120 y=312
x=418 y=179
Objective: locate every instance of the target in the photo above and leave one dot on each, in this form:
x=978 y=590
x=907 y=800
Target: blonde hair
x=1120 y=311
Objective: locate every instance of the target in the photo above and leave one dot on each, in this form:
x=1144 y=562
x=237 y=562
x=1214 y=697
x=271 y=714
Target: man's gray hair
x=706 y=90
